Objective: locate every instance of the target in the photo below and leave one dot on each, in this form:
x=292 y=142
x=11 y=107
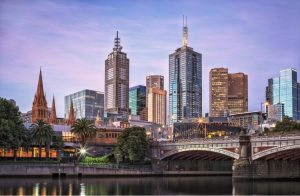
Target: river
x=208 y=185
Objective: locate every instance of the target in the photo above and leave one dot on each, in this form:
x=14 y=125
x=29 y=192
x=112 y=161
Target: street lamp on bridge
x=201 y=122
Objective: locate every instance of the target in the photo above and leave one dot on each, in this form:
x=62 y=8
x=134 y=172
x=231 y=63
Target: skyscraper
x=39 y=105
x=185 y=82
x=137 y=99
x=286 y=90
x=228 y=92
x=237 y=93
x=218 y=92
x=156 y=81
x=156 y=105
x=86 y=104
x=117 y=81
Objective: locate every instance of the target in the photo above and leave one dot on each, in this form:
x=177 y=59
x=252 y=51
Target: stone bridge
x=242 y=153
x=260 y=147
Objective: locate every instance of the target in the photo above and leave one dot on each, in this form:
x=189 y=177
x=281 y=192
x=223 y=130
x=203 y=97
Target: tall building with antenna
x=185 y=81
x=117 y=81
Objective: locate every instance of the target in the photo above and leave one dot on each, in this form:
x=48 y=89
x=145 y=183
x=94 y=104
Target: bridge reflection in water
x=146 y=185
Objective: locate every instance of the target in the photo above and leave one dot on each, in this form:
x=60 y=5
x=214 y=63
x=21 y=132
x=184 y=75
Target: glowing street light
x=82 y=151
x=201 y=122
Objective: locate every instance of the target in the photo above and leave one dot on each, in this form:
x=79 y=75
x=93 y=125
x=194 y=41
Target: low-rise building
x=275 y=112
x=246 y=120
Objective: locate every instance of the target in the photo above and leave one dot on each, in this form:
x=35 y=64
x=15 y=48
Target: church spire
x=184 y=32
x=53 y=112
x=71 y=120
x=39 y=105
x=40 y=88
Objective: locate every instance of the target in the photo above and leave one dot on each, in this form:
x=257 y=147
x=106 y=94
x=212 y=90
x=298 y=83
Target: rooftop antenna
x=117 y=47
x=184 y=33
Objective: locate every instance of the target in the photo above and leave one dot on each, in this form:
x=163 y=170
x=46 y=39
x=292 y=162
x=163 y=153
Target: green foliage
x=13 y=134
x=287 y=125
x=83 y=129
x=132 y=145
x=42 y=134
x=96 y=160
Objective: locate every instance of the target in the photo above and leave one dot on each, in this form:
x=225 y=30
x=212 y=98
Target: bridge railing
x=202 y=140
x=279 y=137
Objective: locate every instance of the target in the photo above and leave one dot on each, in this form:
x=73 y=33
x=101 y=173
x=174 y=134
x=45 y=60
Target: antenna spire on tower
x=117 y=47
x=184 y=33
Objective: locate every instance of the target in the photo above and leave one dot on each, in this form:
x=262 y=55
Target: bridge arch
x=216 y=150
x=273 y=150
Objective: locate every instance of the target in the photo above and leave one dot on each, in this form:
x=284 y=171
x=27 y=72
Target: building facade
x=286 y=90
x=86 y=104
x=218 y=92
x=185 y=82
x=246 y=120
x=237 y=93
x=157 y=110
x=228 y=93
x=117 y=81
x=137 y=99
x=275 y=112
x=39 y=105
x=155 y=81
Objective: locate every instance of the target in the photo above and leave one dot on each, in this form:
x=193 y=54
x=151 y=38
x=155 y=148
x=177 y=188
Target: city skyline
x=72 y=51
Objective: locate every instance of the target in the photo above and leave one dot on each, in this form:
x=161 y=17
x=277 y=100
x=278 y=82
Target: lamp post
x=200 y=121
x=261 y=113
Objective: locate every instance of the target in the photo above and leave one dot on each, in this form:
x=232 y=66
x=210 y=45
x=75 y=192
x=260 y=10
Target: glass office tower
x=137 y=99
x=86 y=104
x=285 y=90
x=185 y=82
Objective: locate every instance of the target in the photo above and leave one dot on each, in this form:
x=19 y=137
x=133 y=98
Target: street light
x=261 y=111
x=200 y=121
x=82 y=151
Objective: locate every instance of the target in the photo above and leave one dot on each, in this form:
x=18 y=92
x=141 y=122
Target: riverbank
x=71 y=170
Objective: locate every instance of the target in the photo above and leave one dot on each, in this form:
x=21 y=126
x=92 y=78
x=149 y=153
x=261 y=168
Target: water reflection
x=145 y=185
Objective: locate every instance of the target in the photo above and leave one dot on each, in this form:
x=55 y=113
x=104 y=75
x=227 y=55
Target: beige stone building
x=157 y=106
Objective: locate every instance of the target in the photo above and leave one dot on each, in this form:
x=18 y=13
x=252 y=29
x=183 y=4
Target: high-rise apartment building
x=185 y=82
x=286 y=90
x=137 y=99
x=228 y=93
x=86 y=104
x=156 y=105
x=117 y=81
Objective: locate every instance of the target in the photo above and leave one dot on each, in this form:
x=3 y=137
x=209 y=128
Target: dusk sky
x=70 y=41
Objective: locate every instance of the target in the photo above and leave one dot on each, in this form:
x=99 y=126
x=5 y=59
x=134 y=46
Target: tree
x=58 y=144
x=132 y=145
x=13 y=134
x=42 y=135
x=83 y=129
x=287 y=125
